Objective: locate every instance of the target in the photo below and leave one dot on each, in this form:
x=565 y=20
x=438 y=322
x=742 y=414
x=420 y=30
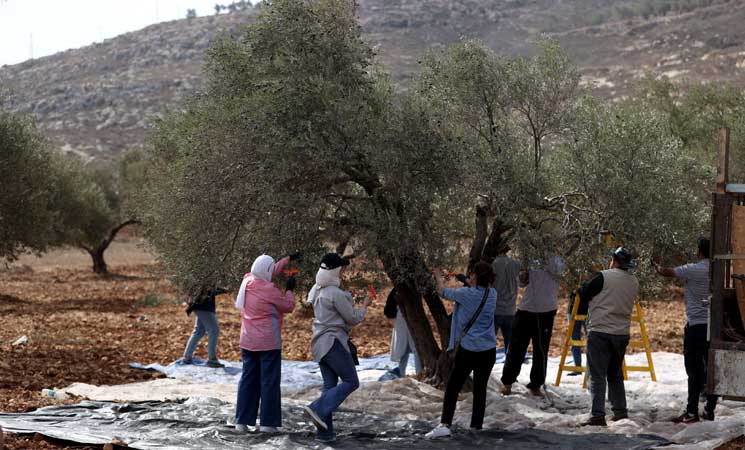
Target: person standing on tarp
x=262 y=306
x=506 y=271
x=402 y=343
x=334 y=317
x=695 y=334
x=534 y=322
x=611 y=294
x=204 y=307
x=473 y=342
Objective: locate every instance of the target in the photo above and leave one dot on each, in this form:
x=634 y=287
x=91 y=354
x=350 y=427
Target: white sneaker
x=440 y=431
x=263 y=429
x=242 y=428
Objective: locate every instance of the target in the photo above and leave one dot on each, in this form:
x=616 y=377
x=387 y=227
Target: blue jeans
x=206 y=323
x=504 y=323
x=577 y=335
x=335 y=365
x=262 y=372
x=405 y=362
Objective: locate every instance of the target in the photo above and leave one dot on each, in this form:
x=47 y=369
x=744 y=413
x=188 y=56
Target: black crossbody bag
x=452 y=353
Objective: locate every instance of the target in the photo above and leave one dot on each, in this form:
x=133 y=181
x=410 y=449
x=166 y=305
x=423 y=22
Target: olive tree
x=296 y=141
x=53 y=200
x=98 y=206
x=695 y=112
x=27 y=175
x=634 y=178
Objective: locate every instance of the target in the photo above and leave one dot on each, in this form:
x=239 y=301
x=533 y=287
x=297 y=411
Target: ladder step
x=573 y=369
x=574 y=343
x=637 y=344
x=580 y=317
x=638 y=369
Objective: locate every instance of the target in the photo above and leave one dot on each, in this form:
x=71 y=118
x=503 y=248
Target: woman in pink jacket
x=262 y=306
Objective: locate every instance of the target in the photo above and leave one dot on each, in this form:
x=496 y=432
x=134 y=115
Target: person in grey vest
x=611 y=295
x=506 y=271
x=695 y=340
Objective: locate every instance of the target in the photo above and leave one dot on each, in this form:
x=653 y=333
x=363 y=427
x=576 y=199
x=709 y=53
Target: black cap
x=331 y=261
x=623 y=256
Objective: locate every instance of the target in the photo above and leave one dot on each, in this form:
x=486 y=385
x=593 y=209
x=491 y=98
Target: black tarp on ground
x=201 y=424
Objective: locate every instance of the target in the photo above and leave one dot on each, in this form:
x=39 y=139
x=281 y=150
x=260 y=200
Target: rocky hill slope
x=98 y=100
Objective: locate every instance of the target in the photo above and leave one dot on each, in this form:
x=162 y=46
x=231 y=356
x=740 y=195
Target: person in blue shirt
x=478 y=344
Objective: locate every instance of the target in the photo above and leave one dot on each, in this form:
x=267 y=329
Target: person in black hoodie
x=204 y=306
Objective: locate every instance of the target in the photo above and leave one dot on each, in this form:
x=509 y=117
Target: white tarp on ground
x=651 y=404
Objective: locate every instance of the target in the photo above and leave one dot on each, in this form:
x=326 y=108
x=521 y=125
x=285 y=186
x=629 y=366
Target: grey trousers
x=605 y=354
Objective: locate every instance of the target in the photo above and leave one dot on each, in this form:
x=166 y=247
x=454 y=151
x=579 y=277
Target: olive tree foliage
x=26 y=168
x=298 y=141
x=603 y=167
x=695 y=112
x=503 y=112
x=50 y=199
x=635 y=179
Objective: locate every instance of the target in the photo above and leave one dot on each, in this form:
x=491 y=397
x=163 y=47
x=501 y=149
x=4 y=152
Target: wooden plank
x=720 y=216
x=737 y=238
x=723 y=165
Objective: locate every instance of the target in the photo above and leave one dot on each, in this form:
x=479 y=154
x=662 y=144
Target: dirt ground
x=84 y=328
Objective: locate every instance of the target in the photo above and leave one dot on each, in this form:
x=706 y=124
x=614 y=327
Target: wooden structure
x=636 y=317
x=727 y=311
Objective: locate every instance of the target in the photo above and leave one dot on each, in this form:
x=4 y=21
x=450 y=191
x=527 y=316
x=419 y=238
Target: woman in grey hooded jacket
x=335 y=315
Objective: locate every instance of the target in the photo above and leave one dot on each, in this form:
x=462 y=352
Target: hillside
x=98 y=100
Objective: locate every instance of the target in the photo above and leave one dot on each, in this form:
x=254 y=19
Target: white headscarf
x=263 y=269
x=324 y=278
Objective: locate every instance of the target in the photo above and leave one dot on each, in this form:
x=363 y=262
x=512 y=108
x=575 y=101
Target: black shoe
x=617 y=417
x=686 y=417
x=598 y=421
x=574 y=374
x=708 y=415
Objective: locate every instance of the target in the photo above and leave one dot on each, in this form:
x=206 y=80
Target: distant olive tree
x=104 y=220
x=53 y=200
x=27 y=174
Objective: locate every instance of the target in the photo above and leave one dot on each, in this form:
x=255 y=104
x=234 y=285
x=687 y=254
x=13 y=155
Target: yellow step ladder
x=637 y=316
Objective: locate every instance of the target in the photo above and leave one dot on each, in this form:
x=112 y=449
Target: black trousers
x=535 y=328
x=695 y=356
x=466 y=361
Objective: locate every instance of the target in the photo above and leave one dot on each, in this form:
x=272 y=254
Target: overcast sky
x=49 y=26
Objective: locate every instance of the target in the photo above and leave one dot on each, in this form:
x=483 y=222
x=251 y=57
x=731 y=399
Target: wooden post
x=719 y=246
x=723 y=165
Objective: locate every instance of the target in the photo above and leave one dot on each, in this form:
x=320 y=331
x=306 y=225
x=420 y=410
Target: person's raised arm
x=668 y=272
x=280 y=266
x=591 y=288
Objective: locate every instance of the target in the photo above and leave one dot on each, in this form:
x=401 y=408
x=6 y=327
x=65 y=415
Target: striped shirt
x=697 y=291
